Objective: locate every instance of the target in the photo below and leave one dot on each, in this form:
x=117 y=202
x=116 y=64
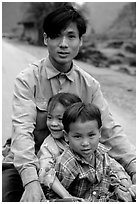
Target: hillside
x=124 y=26
x=102 y=14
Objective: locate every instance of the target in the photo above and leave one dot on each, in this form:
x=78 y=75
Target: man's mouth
x=63 y=54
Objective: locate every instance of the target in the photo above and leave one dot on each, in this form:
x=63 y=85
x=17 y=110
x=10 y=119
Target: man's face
x=64 y=47
x=83 y=137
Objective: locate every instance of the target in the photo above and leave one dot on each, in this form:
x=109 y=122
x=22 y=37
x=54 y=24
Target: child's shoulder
x=67 y=157
x=102 y=148
x=48 y=140
x=50 y=144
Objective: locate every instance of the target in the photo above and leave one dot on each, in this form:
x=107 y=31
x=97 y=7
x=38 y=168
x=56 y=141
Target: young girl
x=54 y=145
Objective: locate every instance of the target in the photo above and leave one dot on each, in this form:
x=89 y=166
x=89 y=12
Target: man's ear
x=45 y=39
x=65 y=136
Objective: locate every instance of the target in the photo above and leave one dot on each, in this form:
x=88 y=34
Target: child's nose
x=85 y=142
x=54 y=122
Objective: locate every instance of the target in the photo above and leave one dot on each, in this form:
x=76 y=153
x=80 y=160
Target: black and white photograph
x=68 y=101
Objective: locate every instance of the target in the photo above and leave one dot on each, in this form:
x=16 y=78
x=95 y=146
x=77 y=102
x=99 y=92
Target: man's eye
x=60 y=119
x=72 y=36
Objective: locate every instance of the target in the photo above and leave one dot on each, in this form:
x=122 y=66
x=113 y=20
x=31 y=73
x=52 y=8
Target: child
x=54 y=144
x=85 y=169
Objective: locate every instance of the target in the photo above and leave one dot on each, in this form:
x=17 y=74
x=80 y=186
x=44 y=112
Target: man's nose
x=64 y=42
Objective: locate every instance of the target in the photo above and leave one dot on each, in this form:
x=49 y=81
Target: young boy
x=85 y=169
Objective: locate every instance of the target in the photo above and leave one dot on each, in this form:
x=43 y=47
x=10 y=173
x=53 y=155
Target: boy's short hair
x=66 y=99
x=83 y=112
x=60 y=18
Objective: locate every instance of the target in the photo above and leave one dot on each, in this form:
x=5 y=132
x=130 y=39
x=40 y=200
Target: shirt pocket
x=41 y=104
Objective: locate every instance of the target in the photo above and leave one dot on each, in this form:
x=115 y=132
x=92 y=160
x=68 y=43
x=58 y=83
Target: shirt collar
x=53 y=72
x=101 y=149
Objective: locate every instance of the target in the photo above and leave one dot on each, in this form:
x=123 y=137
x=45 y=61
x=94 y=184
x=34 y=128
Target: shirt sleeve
x=119 y=170
x=113 y=135
x=66 y=172
x=47 y=165
x=23 y=121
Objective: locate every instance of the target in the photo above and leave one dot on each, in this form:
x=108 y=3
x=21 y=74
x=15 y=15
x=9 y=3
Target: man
x=63 y=31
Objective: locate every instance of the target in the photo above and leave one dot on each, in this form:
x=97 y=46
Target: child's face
x=84 y=137
x=54 y=121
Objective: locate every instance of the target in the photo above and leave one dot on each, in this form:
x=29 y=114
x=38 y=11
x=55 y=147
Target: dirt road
x=119 y=89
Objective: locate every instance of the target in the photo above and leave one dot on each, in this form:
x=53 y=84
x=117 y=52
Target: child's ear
x=100 y=130
x=65 y=135
x=81 y=41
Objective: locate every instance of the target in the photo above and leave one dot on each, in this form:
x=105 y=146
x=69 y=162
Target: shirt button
x=94 y=193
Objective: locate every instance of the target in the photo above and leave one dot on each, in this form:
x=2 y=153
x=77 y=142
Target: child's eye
x=77 y=136
x=60 y=119
x=92 y=135
x=49 y=117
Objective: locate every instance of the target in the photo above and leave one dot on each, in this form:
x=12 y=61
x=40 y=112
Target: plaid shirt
x=84 y=180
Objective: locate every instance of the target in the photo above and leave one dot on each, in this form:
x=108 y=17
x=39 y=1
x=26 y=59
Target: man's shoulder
x=33 y=67
x=85 y=75
x=39 y=63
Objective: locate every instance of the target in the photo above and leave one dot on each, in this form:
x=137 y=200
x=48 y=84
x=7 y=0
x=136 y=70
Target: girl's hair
x=83 y=112
x=66 y=99
x=60 y=18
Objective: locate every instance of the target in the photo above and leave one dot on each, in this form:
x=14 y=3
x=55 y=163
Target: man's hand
x=123 y=194
x=132 y=191
x=134 y=179
x=42 y=174
x=33 y=193
x=132 y=188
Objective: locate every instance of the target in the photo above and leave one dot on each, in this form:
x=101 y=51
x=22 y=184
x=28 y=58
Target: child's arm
x=58 y=188
x=47 y=173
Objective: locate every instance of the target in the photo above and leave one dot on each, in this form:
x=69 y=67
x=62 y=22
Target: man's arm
x=23 y=121
x=114 y=137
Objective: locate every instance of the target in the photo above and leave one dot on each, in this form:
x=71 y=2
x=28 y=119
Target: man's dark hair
x=60 y=18
x=83 y=112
